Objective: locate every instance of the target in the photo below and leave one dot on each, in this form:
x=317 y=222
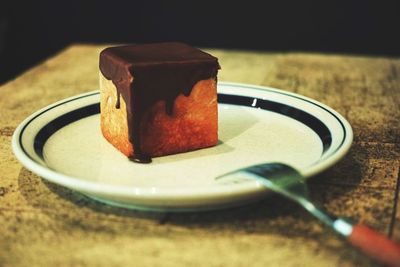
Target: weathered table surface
x=42 y=224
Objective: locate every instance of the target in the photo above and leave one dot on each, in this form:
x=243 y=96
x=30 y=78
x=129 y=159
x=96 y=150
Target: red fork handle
x=376 y=245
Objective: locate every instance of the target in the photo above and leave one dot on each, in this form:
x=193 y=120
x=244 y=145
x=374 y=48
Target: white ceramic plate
x=63 y=144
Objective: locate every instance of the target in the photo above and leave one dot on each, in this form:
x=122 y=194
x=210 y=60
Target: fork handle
x=375 y=244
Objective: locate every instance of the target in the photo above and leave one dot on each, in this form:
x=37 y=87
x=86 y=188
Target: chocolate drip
x=118 y=102
x=146 y=74
x=140 y=158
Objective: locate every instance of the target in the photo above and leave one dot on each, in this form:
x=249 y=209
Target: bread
x=158 y=99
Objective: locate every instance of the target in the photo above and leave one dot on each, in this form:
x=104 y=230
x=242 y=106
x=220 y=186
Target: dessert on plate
x=158 y=99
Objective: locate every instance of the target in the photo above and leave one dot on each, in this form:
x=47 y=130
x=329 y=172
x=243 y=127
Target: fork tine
x=280 y=177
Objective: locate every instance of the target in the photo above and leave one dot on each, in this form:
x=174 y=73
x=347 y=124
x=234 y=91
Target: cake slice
x=158 y=99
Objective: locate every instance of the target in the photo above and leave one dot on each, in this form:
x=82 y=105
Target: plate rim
x=154 y=193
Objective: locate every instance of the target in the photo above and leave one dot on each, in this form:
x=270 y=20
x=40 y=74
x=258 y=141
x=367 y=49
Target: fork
x=288 y=182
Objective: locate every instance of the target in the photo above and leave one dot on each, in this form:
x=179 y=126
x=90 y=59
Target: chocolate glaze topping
x=145 y=74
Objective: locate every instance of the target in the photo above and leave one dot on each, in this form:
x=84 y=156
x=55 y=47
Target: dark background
x=31 y=31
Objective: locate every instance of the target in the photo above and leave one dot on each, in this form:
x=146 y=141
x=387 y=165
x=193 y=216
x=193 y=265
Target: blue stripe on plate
x=263 y=89
x=314 y=123
x=50 y=128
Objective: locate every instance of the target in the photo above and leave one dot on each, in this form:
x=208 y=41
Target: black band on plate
x=53 y=126
x=315 y=124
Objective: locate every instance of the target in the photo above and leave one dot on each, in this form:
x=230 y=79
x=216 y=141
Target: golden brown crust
x=193 y=124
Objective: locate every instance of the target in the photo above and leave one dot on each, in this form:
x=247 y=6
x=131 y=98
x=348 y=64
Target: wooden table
x=42 y=224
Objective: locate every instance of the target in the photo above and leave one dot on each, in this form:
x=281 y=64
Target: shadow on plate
x=220 y=148
x=230 y=126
